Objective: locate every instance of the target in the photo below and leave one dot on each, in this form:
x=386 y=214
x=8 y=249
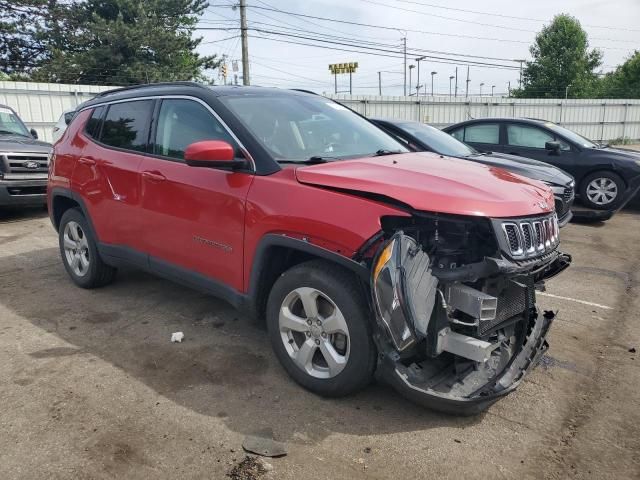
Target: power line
x=506 y=16
x=431 y=14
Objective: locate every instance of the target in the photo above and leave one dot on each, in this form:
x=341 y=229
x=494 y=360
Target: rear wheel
x=602 y=190
x=79 y=252
x=319 y=329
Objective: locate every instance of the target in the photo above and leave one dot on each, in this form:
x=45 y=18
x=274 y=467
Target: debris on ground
x=177 y=337
x=549 y=314
x=632 y=350
x=250 y=468
x=264 y=444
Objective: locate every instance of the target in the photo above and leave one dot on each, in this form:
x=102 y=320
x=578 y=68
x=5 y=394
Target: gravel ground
x=93 y=388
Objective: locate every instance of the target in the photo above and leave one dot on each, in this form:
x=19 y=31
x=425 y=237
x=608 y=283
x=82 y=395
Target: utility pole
x=432 y=75
x=509 y=88
x=492 y=87
x=466 y=92
x=450 y=78
x=481 y=85
x=456 y=92
x=380 y=83
x=520 y=81
x=245 y=42
x=404 y=43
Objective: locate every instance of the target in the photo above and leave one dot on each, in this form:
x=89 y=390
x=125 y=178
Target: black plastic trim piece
x=65 y=192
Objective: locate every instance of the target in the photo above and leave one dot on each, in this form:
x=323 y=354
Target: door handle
x=87 y=161
x=153 y=176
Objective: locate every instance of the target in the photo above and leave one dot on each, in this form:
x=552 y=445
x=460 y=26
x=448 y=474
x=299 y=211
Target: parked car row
x=366 y=245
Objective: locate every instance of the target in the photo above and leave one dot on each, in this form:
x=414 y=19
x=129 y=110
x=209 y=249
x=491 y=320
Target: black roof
x=532 y=121
x=184 y=88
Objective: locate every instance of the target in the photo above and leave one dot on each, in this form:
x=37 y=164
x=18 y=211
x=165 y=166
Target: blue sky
x=611 y=25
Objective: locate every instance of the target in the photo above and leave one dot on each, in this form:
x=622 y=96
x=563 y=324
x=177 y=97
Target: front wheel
x=319 y=329
x=602 y=190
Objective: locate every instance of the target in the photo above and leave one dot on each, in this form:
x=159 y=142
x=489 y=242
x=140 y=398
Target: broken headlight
x=403 y=289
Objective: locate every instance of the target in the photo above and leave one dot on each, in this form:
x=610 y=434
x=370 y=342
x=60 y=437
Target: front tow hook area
x=412 y=382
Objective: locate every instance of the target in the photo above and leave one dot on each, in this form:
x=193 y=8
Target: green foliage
x=116 y=42
x=624 y=82
x=561 y=59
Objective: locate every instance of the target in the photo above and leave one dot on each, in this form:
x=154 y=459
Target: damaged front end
x=454 y=299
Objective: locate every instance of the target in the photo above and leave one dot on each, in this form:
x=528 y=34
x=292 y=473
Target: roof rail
x=303 y=91
x=142 y=85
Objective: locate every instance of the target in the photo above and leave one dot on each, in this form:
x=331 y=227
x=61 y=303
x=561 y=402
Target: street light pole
x=432 y=75
x=481 y=85
x=418 y=60
x=450 y=79
x=411 y=67
x=492 y=87
x=380 y=83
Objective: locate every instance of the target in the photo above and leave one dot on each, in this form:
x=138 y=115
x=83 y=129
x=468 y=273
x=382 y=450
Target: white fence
x=41 y=104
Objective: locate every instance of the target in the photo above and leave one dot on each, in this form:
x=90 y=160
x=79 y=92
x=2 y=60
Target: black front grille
x=512 y=236
x=568 y=194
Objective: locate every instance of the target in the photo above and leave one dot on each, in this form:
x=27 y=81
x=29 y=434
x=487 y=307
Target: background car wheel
x=319 y=329
x=79 y=252
x=602 y=190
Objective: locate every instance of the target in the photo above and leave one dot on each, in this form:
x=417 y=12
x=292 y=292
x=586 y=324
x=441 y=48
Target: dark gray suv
x=23 y=162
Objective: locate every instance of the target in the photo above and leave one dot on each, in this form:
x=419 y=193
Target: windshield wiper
x=310 y=161
x=383 y=152
x=13 y=133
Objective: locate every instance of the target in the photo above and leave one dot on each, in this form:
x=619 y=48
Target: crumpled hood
x=429 y=182
x=527 y=167
x=20 y=144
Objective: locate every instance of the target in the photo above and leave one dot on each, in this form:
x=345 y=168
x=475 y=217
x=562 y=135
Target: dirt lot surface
x=93 y=388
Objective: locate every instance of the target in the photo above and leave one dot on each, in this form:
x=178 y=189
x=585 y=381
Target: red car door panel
x=192 y=217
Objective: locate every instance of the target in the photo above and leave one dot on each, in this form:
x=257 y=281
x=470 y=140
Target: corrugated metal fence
x=41 y=104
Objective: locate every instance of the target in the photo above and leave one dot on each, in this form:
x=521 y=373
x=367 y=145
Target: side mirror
x=212 y=154
x=33 y=133
x=553 y=147
x=68 y=117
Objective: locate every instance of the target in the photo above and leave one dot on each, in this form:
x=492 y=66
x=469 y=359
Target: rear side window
x=483 y=133
x=183 y=122
x=93 y=124
x=126 y=125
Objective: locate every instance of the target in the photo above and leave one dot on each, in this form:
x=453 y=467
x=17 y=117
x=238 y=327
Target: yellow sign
x=350 y=67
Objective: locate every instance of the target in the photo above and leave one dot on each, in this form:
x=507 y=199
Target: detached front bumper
x=458 y=341
x=410 y=382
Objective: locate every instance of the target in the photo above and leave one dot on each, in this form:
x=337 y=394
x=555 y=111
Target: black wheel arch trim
x=68 y=193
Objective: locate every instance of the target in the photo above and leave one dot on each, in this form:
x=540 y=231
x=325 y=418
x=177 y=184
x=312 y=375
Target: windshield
x=296 y=128
x=437 y=140
x=571 y=136
x=11 y=124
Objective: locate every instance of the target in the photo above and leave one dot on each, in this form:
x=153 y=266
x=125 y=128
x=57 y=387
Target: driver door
x=529 y=141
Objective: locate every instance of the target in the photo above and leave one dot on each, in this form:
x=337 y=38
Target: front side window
x=458 y=134
x=296 y=128
x=10 y=124
x=437 y=140
x=183 y=122
x=527 y=136
x=126 y=125
x=483 y=133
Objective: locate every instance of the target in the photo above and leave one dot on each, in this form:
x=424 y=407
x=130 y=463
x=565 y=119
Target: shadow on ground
x=224 y=368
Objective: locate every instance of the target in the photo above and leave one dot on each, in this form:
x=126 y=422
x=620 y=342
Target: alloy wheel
x=314 y=332
x=602 y=191
x=76 y=248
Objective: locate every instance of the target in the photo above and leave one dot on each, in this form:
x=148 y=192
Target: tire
x=89 y=271
x=330 y=287
x=596 y=189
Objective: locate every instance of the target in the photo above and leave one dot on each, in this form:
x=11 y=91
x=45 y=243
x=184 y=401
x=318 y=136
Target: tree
x=561 y=59
x=117 y=42
x=624 y=82
x=21 y=45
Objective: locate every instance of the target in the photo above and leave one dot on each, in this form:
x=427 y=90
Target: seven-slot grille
x=568 y=194
x=26 y=162
x=531 y=237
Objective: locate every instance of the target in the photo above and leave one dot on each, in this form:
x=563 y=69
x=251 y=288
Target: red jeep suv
x=362 y=257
